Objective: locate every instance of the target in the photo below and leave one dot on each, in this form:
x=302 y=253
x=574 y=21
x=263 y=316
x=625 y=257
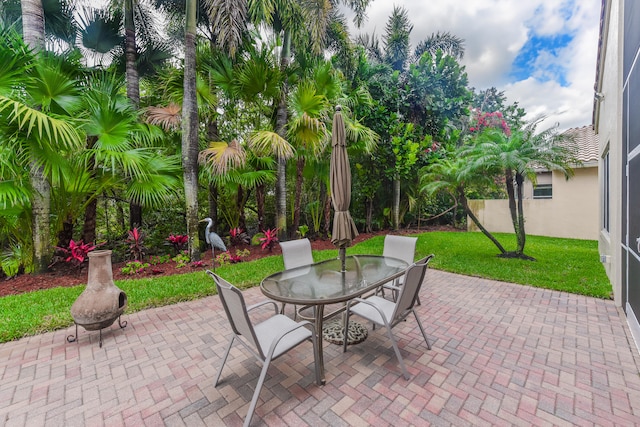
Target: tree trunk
x=396 y=202
x=240 y=203
x=133 y=87
x=66 y=233
x=89 y=228
x=213 y=204
x=298 y=195
x=512 y=199
x=131 y=53
x=281 y=129
x=33 y=24
x=520 y=233
x=369 y=202
x=33 y=33
x=327 y=215
x=465 y=206
x=190 y=132
x=260 y=195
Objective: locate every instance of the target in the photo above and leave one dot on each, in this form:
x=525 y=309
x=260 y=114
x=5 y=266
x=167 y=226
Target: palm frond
x=221 y=157
x=35 y=123
x=266 y=143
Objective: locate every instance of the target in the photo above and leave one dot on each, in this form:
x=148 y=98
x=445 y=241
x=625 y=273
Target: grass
x=562 y=264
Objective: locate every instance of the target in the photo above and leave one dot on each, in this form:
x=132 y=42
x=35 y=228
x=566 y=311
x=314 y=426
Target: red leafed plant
x=136 y=246
x=270 y=239
x=178 y=241
x=77 y=252
x=238 y=236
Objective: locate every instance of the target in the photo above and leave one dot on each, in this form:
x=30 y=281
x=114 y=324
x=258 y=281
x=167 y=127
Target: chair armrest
x=277 y=340
x=261 y=303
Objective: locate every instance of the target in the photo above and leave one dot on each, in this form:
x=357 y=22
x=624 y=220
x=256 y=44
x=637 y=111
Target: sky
x=540 y=53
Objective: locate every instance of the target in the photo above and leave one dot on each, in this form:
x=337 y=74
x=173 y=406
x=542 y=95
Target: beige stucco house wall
x=572 y=211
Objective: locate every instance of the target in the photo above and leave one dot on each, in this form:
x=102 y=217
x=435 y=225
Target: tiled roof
x=586 y=141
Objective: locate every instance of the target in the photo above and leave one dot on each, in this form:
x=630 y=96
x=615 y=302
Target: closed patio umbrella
x=344 y=229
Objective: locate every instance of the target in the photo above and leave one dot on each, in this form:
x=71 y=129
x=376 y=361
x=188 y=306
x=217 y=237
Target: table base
x=333 y=332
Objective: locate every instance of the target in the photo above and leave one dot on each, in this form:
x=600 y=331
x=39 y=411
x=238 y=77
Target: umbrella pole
x=343 y=255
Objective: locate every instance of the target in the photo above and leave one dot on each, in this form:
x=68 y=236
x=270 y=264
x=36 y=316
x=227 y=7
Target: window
x=543 y=189
x=605 y=191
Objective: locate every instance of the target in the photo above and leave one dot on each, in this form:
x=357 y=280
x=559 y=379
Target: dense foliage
x=112 y=131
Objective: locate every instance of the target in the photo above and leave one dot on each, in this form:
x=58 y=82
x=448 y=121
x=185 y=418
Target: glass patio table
x=324 y=283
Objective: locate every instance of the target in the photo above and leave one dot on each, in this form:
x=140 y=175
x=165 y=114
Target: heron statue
x=213 y=239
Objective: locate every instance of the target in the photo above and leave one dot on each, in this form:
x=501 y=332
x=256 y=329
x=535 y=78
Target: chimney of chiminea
x=102 y=302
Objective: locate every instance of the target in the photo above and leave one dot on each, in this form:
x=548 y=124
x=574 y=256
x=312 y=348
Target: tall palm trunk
x=33 y=33
x=465 y=205
x=520 y=234
x=396 y=202
x=512 y=199
x=281 y=124
x=190 y=132
x=260 y=196
x=298 y=194
x=133 y=87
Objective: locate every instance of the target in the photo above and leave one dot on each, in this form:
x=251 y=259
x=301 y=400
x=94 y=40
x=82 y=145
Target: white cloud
x=494 y=32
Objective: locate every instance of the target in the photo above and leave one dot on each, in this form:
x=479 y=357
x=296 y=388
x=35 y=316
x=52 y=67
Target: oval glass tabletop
x=325 y=283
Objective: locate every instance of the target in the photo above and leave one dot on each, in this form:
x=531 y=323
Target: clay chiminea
x=102 y=302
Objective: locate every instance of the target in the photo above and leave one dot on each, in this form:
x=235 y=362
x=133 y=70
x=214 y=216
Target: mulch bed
x=62 y=275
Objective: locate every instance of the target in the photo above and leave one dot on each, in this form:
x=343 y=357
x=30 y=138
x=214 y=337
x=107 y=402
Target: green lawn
x=562 y=264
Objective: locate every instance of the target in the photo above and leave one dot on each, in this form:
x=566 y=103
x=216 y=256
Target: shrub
x=270 y=239
x=159 y=259
x=228 y=258
x=238 y=236
x=178 y=241
x=136 y=244
x=77 y=252
x=134 y=267
x=181 y=260
x=255 y=240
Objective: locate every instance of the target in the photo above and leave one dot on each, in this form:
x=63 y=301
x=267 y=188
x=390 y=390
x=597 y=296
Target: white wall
x=608 y=127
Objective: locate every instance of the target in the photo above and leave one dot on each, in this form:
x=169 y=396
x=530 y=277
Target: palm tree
x=190 y=132
x=450 y=175
x=39 y=106
x=515 y=155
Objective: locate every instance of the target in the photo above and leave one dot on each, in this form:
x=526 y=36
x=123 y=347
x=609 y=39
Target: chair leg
x=405 y=373
x=422 y=329
x=256 y=393
x=224 y=360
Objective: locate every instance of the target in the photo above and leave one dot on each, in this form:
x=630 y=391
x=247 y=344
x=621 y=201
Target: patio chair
x=267 y=340
x=401 y=247
x=296 y=253
x=388 y=314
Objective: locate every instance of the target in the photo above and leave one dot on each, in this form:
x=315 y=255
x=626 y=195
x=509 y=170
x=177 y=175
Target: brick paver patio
x=502 y=354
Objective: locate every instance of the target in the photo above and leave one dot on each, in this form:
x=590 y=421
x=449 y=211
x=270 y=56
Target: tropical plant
x=182 y=259
x=178 y=241
x=76 y=253
x=515 y=156
x=238 y=236
x=135 y=239
x=449 y=174
x=270 y=239
x=39 y=112
x=134 y=267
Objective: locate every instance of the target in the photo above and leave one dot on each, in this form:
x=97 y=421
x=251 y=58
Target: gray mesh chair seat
x=385 y=313
x=266 y=340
